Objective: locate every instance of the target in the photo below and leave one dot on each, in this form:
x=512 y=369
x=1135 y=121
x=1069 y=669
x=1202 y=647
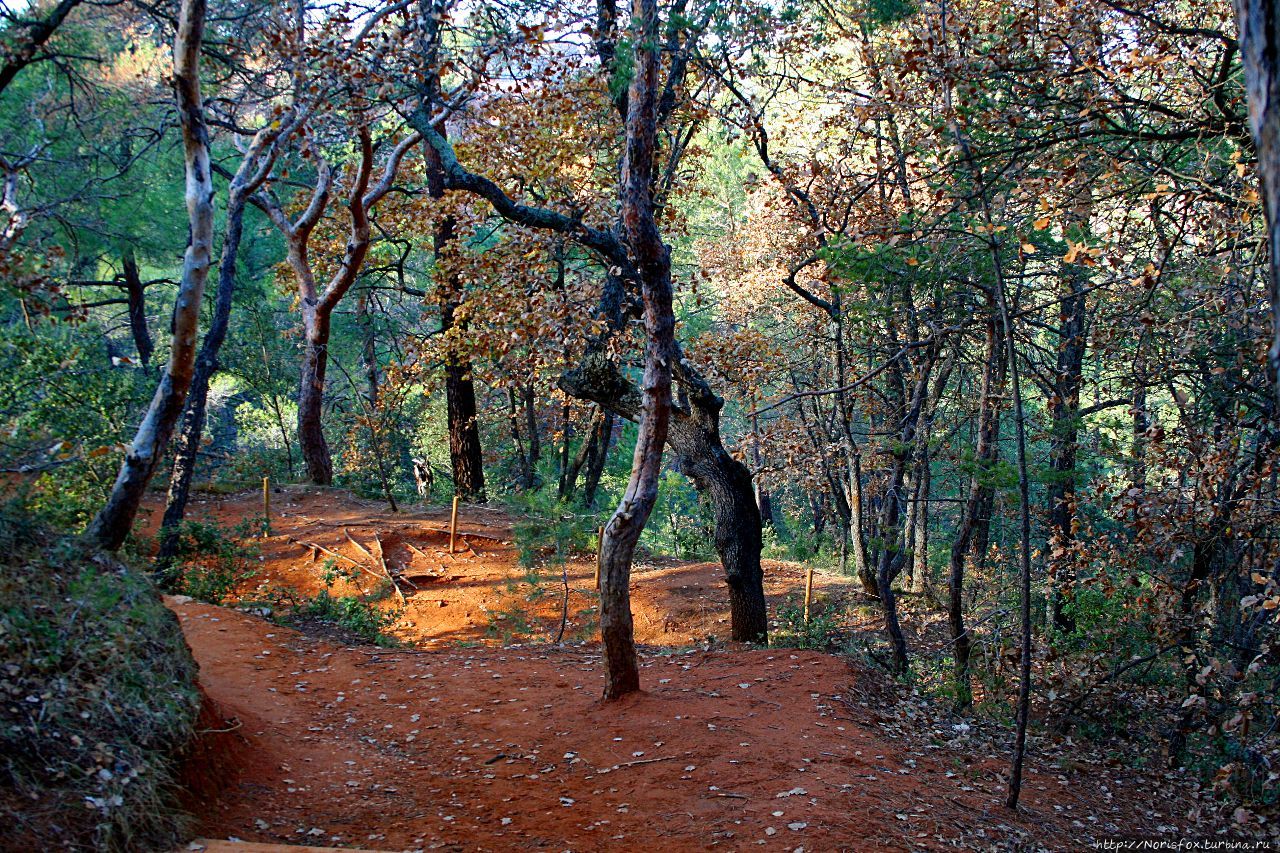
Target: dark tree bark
x=27 y=46
x=112 y=524
x=1259 y=24
x=694 y=436
x=136 y=295
x=464 y=433
x=529 y=445
x=316 y=457
x=1064 y=414
x=465 y=452
x=597 y=458
x=894 y=550
x=975 y=517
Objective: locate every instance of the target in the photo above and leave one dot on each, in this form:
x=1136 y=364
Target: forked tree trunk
x=112 y=524
x=317 y=306
x=253 y=170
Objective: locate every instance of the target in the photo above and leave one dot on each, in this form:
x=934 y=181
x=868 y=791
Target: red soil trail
x=481 y=747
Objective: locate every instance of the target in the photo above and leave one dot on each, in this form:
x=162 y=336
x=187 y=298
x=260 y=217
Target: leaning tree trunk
x=112 y=524
x=246 y=181
x=694 y=435
x=737 y=527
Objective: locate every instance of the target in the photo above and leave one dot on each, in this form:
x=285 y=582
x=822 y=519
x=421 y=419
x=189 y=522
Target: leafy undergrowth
x=97 y=698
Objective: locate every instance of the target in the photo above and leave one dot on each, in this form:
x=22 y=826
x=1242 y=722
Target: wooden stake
x=453 y=524
x=599 y=546
x=808 y=593
x=266 y=507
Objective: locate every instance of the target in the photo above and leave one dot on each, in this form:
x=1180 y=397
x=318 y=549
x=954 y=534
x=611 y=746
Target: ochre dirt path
x=484 y=747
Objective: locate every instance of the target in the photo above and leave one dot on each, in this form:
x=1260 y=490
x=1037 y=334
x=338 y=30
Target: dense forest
x=966 y=307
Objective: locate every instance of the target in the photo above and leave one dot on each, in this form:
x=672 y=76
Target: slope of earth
x=510 y=749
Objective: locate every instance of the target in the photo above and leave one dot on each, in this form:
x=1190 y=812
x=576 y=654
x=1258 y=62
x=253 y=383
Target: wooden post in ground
x=599 y=543
x=266 y=507
x=808 y=593
x=453 y=524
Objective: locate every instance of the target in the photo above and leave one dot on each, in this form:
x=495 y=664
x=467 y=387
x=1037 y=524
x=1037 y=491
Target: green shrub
x=350 y=618
x=211 y=560
x=820 y=632
x=97 y=698
x=351 y=614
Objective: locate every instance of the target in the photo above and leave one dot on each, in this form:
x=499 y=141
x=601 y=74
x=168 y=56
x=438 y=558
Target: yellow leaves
x=1041 y=223
x=1028 y=248
x=1080 y=253
x=1162 y=190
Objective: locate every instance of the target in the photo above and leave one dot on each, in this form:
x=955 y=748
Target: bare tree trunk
x=133 y=289
x=315 y=360
x=891 y=528
x=653 y=262
x=920 y=528
x=1258 y=22
x=972 y=518
x=112 y=524
x=1064 y=412
x=597 y=458
x=465 y=452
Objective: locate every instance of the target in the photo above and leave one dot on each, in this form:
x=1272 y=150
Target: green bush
x=211 y=560
x=97 y=698
x=820 y=632
x=352 y=618
x=351 y=614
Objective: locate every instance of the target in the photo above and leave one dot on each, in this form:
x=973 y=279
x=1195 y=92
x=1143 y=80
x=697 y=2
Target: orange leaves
x=1080 y=253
